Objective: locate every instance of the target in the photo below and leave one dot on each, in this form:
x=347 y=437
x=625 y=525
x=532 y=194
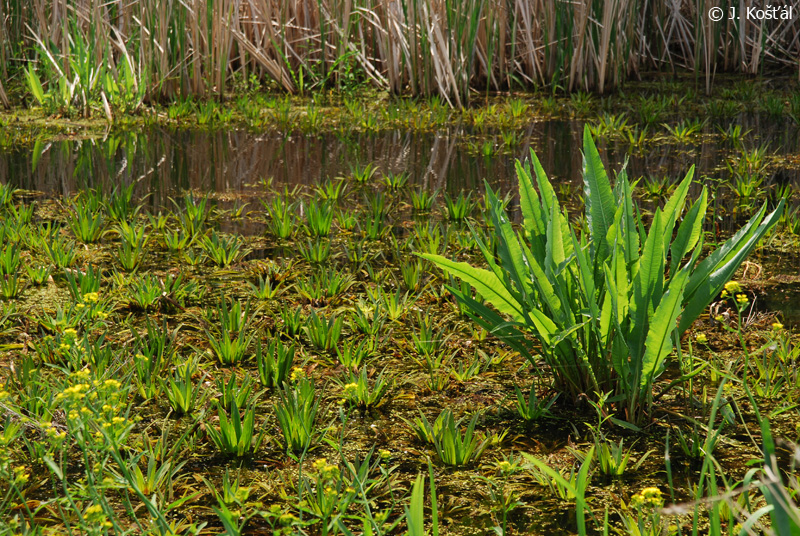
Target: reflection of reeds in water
x=421 y=46
x=161 y=162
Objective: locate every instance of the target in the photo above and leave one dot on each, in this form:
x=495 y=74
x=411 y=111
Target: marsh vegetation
x=404 y=267
x=290 y=360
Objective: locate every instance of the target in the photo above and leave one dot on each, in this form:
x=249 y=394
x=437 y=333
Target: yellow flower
x=648 y=498
x=701 y=338
x=742 y=299
x=320 y=464
x=504 y=466
x=287 y=519
x=777 y=326
x=91 y=297
x=733 y=286
x=112 y=384
x=20 y=476
x=94 y=509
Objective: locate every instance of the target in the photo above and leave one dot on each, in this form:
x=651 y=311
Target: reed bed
x=417 y=47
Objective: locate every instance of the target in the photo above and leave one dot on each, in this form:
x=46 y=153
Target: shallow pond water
x=163 y=160
x=232 y=164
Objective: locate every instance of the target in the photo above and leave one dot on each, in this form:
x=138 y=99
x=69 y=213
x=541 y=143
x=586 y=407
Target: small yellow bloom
x=20 y=475
x=648 y=498
x=733 y=287
x=701 y=338
x=319 y=464
x=504 y=466
x=297 y=374
x=94 y=509
x=742 y=298
x=287 y=519
x=777 y=326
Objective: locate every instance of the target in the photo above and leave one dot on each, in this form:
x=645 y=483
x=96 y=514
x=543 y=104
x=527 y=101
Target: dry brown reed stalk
x=419 y=47
x=4 y=97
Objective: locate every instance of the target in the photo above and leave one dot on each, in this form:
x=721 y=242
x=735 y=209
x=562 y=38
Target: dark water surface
x=162 y=162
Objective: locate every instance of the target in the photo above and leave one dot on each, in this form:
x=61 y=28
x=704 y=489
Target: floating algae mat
x=208 y=331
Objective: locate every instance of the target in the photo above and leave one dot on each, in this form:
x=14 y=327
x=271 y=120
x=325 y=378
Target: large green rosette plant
x=604 y=304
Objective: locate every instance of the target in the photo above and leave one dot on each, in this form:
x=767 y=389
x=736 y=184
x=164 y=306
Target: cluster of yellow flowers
x=701 y=338
x=21 y=474
x=75 y=392
x=733 y=287
x=91 y=300
x=53 y=432
x=324 y=470
x=68 y=339
x=350 y=389
x=95 y=514
x=297 y=374
x=93 y=404
x=647 y=499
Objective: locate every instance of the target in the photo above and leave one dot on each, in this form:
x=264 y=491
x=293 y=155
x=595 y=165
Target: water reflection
x=163 y=161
